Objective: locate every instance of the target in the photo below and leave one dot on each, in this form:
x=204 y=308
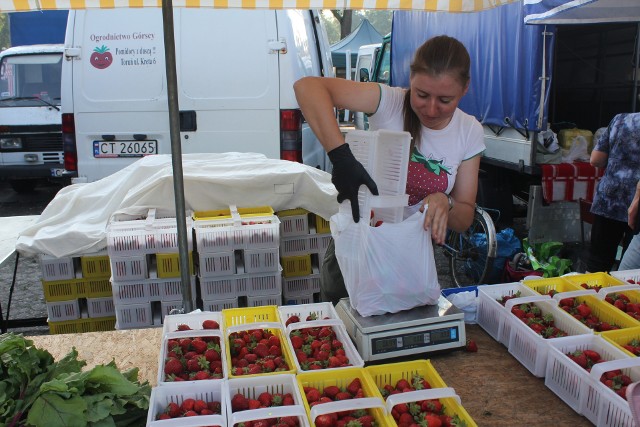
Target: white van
x=367 y=55
x=235 y=69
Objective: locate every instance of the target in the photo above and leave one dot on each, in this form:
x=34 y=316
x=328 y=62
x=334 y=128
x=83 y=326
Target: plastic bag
x=508 y=246
x=468 y=303
x=386 y=269
x=578 y=152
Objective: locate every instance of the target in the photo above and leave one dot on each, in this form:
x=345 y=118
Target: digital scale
x=419 y=330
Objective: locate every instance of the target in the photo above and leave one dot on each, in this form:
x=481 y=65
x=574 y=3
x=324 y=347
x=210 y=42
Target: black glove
x=348 y=175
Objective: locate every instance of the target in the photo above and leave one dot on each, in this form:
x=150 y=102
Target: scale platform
x=419 y=330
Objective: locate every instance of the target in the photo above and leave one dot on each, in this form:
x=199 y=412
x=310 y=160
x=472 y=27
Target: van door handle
x=188 y=122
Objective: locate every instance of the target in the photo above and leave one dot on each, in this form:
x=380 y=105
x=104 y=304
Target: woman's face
x=434 y=99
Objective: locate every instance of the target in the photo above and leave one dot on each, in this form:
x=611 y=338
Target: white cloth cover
x=74 y=223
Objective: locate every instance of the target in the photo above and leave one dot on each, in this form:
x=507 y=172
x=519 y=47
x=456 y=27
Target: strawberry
x=354 y=386
x=254 y=404
x=183 y=327
x=402 y=384
x=187 y=405
x=265 y=399
x=365 y=420
x=172 y=367
x=328 y=420
x=190 y=414
x=343 y=395
x=199 y=346
x=164 y=416
x=292 y=319
x=312 y=395
x=174 y=410
x=239 y=402
x=200 y=405
x=210 y=324
x=331 y=391
x=433 y=420
x=471 y=346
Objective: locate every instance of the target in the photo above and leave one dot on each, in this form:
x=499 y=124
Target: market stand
x=496 y=390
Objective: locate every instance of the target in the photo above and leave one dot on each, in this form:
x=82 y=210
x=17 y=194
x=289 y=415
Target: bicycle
x=472 y=252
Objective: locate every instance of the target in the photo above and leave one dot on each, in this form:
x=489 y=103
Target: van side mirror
x=364 y=75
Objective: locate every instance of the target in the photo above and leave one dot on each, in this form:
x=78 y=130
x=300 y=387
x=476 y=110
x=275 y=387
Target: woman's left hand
x=437 y=216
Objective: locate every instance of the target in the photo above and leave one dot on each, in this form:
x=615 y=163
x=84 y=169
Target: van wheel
x=23 y=185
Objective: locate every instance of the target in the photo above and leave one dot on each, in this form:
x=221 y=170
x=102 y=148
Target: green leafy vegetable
x=544 y=256
x=35 y=390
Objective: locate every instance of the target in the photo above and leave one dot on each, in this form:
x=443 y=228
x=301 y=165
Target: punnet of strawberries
x=333 y=393
x=193 y=358
x=206 y=324
x=317 y=347
x=504 y=298
x=256 y=351
x=240 y=402
x=616 y=380
x=541 y=323
x=582 y=312
x=189 y=408
x=622 y=302
x=633 y=346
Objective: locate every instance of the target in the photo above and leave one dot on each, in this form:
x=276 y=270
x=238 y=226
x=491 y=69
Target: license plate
x=56 y=173
x=124 y=148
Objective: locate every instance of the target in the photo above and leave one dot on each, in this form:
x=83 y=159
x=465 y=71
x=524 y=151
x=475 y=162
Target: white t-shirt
x=436 y=158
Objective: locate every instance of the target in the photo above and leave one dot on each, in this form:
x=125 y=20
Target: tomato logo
x=101 y=58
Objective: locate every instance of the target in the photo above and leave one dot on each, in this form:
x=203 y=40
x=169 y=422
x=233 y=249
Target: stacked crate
x=77 y=293
x=305 y=237
x=238 y=257
x=145 y=268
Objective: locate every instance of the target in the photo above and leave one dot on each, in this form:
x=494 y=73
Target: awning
x=580 y=11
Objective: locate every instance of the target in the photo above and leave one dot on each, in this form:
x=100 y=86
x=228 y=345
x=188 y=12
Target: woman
x=446 y=144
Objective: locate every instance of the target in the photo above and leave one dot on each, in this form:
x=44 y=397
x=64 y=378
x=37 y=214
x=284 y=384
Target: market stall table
x=494 y=387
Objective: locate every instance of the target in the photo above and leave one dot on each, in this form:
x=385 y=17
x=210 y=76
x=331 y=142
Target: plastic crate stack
x=385 y=155
x=77 y=293
x=305 y=237
x=238 y=257
x=145 y=268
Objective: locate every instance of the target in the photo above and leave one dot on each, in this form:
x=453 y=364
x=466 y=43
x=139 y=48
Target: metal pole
x=636 y=70
x=176 y=152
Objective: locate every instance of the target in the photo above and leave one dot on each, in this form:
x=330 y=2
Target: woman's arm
x=599 y=158
x=464 y=192
x=633 y=208
x=317 y=97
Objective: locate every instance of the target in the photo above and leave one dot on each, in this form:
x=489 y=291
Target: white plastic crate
x=627 y=275
x=298 y=245
x=341 y=334
x=318 y=243
x=251 y=388
x=212 y=333
x=133 y=316
x=239 y=285
x=322 y=311
x=565 y=377
x=101 y=307
x=63 y=310
x=230 y=234
x=216 y=264
x=261 y=260
x=601 y=405
x=193 y=320
x=176 y=393
x=293 y=222
x=132 y=267
x=219 y=304
x=303 y=285
x=149 y=290
x=56 y=268
x=491 y=314
x=529 y=348
x=167 y=307
x=257 y=301
x=300 y=299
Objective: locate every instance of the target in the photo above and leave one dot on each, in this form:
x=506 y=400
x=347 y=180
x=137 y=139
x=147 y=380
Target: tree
x=380 y=19
x=4 y=31
x=345 y=18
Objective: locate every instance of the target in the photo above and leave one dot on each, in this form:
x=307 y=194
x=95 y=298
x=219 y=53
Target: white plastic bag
x=578 y=152
x=386 y=269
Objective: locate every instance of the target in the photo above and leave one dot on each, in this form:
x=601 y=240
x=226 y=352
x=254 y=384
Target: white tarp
x=75 y=221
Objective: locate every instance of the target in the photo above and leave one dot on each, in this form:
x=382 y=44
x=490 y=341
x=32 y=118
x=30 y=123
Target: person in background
x=617 y=149
x=631 y=258
x=445 y=149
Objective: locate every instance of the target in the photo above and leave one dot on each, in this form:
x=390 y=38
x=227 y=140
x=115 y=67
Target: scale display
x=406 y=341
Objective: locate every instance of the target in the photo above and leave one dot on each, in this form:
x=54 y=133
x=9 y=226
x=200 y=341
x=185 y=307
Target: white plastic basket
x=252 y=284
x=134 y=316
x=526 y=345
x=101 y=307
x=133 y=267
x=303 y=285
x=491 y=315
x=216 y=264
x=191 y=334
x=219 y=304
x=149 y=290
x=601 y=405
x=300 y=299
x=177 y=393
x=252 y=387
x=260 y=300
x=627 y=275
x=63 y=310
x=297 y=245
x=56 y=268
x=564 y=376
x=261 y=260
x=322 y=311
x=294 y=225
x=193 y=320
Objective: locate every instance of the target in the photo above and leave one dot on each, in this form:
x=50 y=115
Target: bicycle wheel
x=471 y=253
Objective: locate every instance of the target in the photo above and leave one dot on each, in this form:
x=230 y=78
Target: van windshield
x=30 y=80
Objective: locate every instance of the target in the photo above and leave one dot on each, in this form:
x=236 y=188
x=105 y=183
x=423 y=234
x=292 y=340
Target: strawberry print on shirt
x=426 y=176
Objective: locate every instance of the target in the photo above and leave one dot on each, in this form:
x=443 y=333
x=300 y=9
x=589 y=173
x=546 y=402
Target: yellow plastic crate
x=292 y=212
x=168 y=265
x=255 y=211
x=341 y=378
x=247 y=315
x=391 y=373
x=63 y=290
x=82 y=325
x=295 y=266
x=97 y=288
x=622 y=337
x=594 y=280
x=544 y=286
x=607 y=313
x=95 y=266
x=322 y=225
x=212 y=215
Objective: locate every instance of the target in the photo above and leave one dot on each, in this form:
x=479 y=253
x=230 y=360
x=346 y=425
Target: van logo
x=101 y=58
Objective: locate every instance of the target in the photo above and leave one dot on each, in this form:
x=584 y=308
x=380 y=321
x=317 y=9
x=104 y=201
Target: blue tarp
x=363 y=35
x=39 y=27
x=506 y=59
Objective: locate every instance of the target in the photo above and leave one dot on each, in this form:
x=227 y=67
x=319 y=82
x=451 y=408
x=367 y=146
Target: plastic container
x=212 y=333
x=629 y=276
x=293 y=222
x=133 y=316
x=321 y=310
x=491 y=315
x=228 y=287
x=64 y=290
x=219 y=304
x=556 y=284
x=342 y=378
x=295 y=246
x=177 y=393
x=322 y=225
x=451 y=403
x=54 y=269
x=296 y=266
x=214 y=264
x=193 y=320
x=96 y=266
x=261 y=260
x=251 y=388
x=63 y=310
x=621 y=337
x=391 y=373
x=260 y=300
x=82 y=325
x=168 y=265
x=593 y=280
x=302 y=285
x=101 y=307
x=133 y=267
x=247 y=316
x=604 y=311
x=300 y=299
x=529 y=348
x=150 y=290
x=564 y=376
